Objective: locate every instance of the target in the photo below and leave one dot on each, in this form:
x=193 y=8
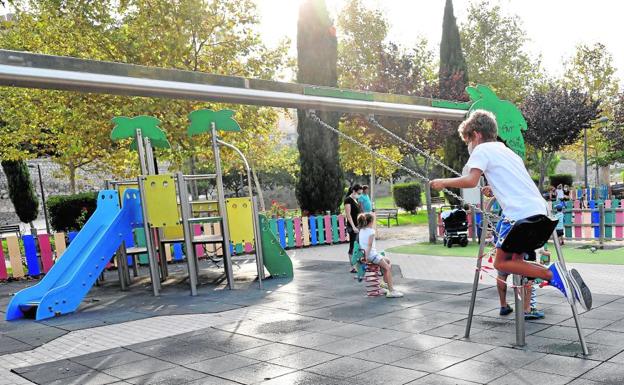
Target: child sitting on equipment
x=518 y=197
x=366 y=223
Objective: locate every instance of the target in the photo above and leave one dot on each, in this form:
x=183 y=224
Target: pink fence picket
x=341 y=228
x=297 y=225
x=46 y=252
x=3 y=269
x=578 y=219
x=619 y=219
x=328 y=228
x=199 y=250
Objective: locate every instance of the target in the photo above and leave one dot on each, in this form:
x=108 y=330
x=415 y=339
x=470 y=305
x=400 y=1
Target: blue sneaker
x=558 y=280
x=583 y=294
x=534 y=314
x=505 y=310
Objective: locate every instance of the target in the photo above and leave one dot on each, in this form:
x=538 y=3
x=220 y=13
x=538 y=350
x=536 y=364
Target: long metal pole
x=571 y=299
x=475 y=282
x=519 y=308
x=191 y=258
x=222 y=209
x=91 y=78
x=151 y=253
x=43 y=200
x=585 y=160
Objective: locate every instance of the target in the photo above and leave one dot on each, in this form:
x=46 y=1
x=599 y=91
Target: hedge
x=407 y=196
x=70 y=212
x=561 y=179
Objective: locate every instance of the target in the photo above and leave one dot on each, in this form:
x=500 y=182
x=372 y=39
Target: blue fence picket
x=595 y=217
x=313 y=238
x=30 y=249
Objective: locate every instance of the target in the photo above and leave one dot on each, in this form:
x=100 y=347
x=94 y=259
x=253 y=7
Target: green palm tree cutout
x=126 y=127
x=510 y=121
x=201 y=121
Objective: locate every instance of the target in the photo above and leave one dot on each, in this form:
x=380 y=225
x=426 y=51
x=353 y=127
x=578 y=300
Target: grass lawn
x=404 y=218
x=611 y=257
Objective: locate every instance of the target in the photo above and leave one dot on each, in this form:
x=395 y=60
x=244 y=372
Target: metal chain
x=427 y=155
x=312 y=115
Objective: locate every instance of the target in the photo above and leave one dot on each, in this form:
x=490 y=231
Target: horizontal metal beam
x=23 y=69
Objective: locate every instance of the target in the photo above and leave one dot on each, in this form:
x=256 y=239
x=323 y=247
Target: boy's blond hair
x=481 y=121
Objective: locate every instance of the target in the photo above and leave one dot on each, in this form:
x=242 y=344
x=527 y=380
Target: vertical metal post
x=188 y=234
x=518 y=282
x=475 y=227
x=141 y=151
x=149 y=240
x=601 y=209
x=571 y=299
x=149 y=156
x=222 y=209
x=120 y=270
x=475 y=283
x=258 y=238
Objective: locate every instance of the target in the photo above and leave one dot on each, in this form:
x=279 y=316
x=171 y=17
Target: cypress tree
x=321 y=180
x=453 y=79
x=21 y=190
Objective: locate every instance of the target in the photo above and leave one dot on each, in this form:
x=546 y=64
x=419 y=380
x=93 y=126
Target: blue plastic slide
x=62 y=289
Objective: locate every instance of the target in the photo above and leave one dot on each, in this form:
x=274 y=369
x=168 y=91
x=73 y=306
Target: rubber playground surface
x=575 y=254
x=316 y=329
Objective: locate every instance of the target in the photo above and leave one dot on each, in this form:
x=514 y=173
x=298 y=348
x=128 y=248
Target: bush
x=71 y=212
x=407 y=196
x=563 y=179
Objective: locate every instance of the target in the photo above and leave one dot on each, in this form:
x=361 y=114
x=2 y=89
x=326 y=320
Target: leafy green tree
x=321 y=180
x=613 y=134
x=21 y=191
x=453 y=79
x=556 y=118
x=494 y=45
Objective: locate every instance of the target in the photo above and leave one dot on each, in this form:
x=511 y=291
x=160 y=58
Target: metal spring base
x=372 y=281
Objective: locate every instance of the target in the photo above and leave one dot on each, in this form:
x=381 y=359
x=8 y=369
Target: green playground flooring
x=571 y=253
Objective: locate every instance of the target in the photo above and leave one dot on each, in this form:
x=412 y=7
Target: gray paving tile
x=604 y=314
x=461 y=349
x=90 y=378
x=551 y=345
x=514 y=358
x=212 y=380
x=435 y=379
x=475 y=371
x=306 y=378
x=427 y=362
x=606 y=373
x=349 y=346
x=421 y=342
x=222 y=364
x=181 y=352
x=304 y=359
x=52 y=371
x=109 y=361
x=606 y=337
x=351 y=330
x=10 y=345
x=38 y=336
x=270 y=351
x=175 y=376
x=524 y=376
x=583 y=381
x=561 y=365
x=387 y=375
x=559 y=332
x=618 y=359
x=255 y=373
x=452 y=331
x=596 y=351
x=595 y=323
x=309 y=340
x=385 y=354
x=150 y=365
x=344 y=367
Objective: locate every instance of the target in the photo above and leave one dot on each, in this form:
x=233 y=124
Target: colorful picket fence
x=597 y=219
x=309 y=231
x=23 y=257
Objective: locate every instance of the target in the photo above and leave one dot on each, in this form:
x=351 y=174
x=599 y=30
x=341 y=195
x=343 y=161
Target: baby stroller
x=455 y=227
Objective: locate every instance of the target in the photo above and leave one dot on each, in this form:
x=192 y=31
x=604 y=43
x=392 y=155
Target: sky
x=554 y=27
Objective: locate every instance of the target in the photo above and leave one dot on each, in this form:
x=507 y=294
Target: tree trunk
x=258 y=188
x=430 y=209
x=544 y=160
x=72 y=178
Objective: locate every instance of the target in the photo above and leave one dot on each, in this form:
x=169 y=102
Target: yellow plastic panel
x=161 y=201
x=204 y=208
x=239 y=216
x=173 y=232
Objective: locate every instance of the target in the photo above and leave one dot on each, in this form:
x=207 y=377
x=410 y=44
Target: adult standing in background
x=364 y=200
x=352 y=210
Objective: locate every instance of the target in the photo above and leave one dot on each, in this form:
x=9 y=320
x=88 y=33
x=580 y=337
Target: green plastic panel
x=201 y=121
x=276 y=260
x=126 y=127
x=290 y=230
x=140 y=240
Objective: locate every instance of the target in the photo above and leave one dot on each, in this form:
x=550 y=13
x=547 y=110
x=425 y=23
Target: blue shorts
x=502 y=229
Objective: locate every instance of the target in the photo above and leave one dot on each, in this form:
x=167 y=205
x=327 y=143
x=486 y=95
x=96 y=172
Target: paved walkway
x=317 y=329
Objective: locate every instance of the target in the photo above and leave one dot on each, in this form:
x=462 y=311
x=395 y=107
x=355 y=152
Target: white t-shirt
x=364 y=237
x=511 y=184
